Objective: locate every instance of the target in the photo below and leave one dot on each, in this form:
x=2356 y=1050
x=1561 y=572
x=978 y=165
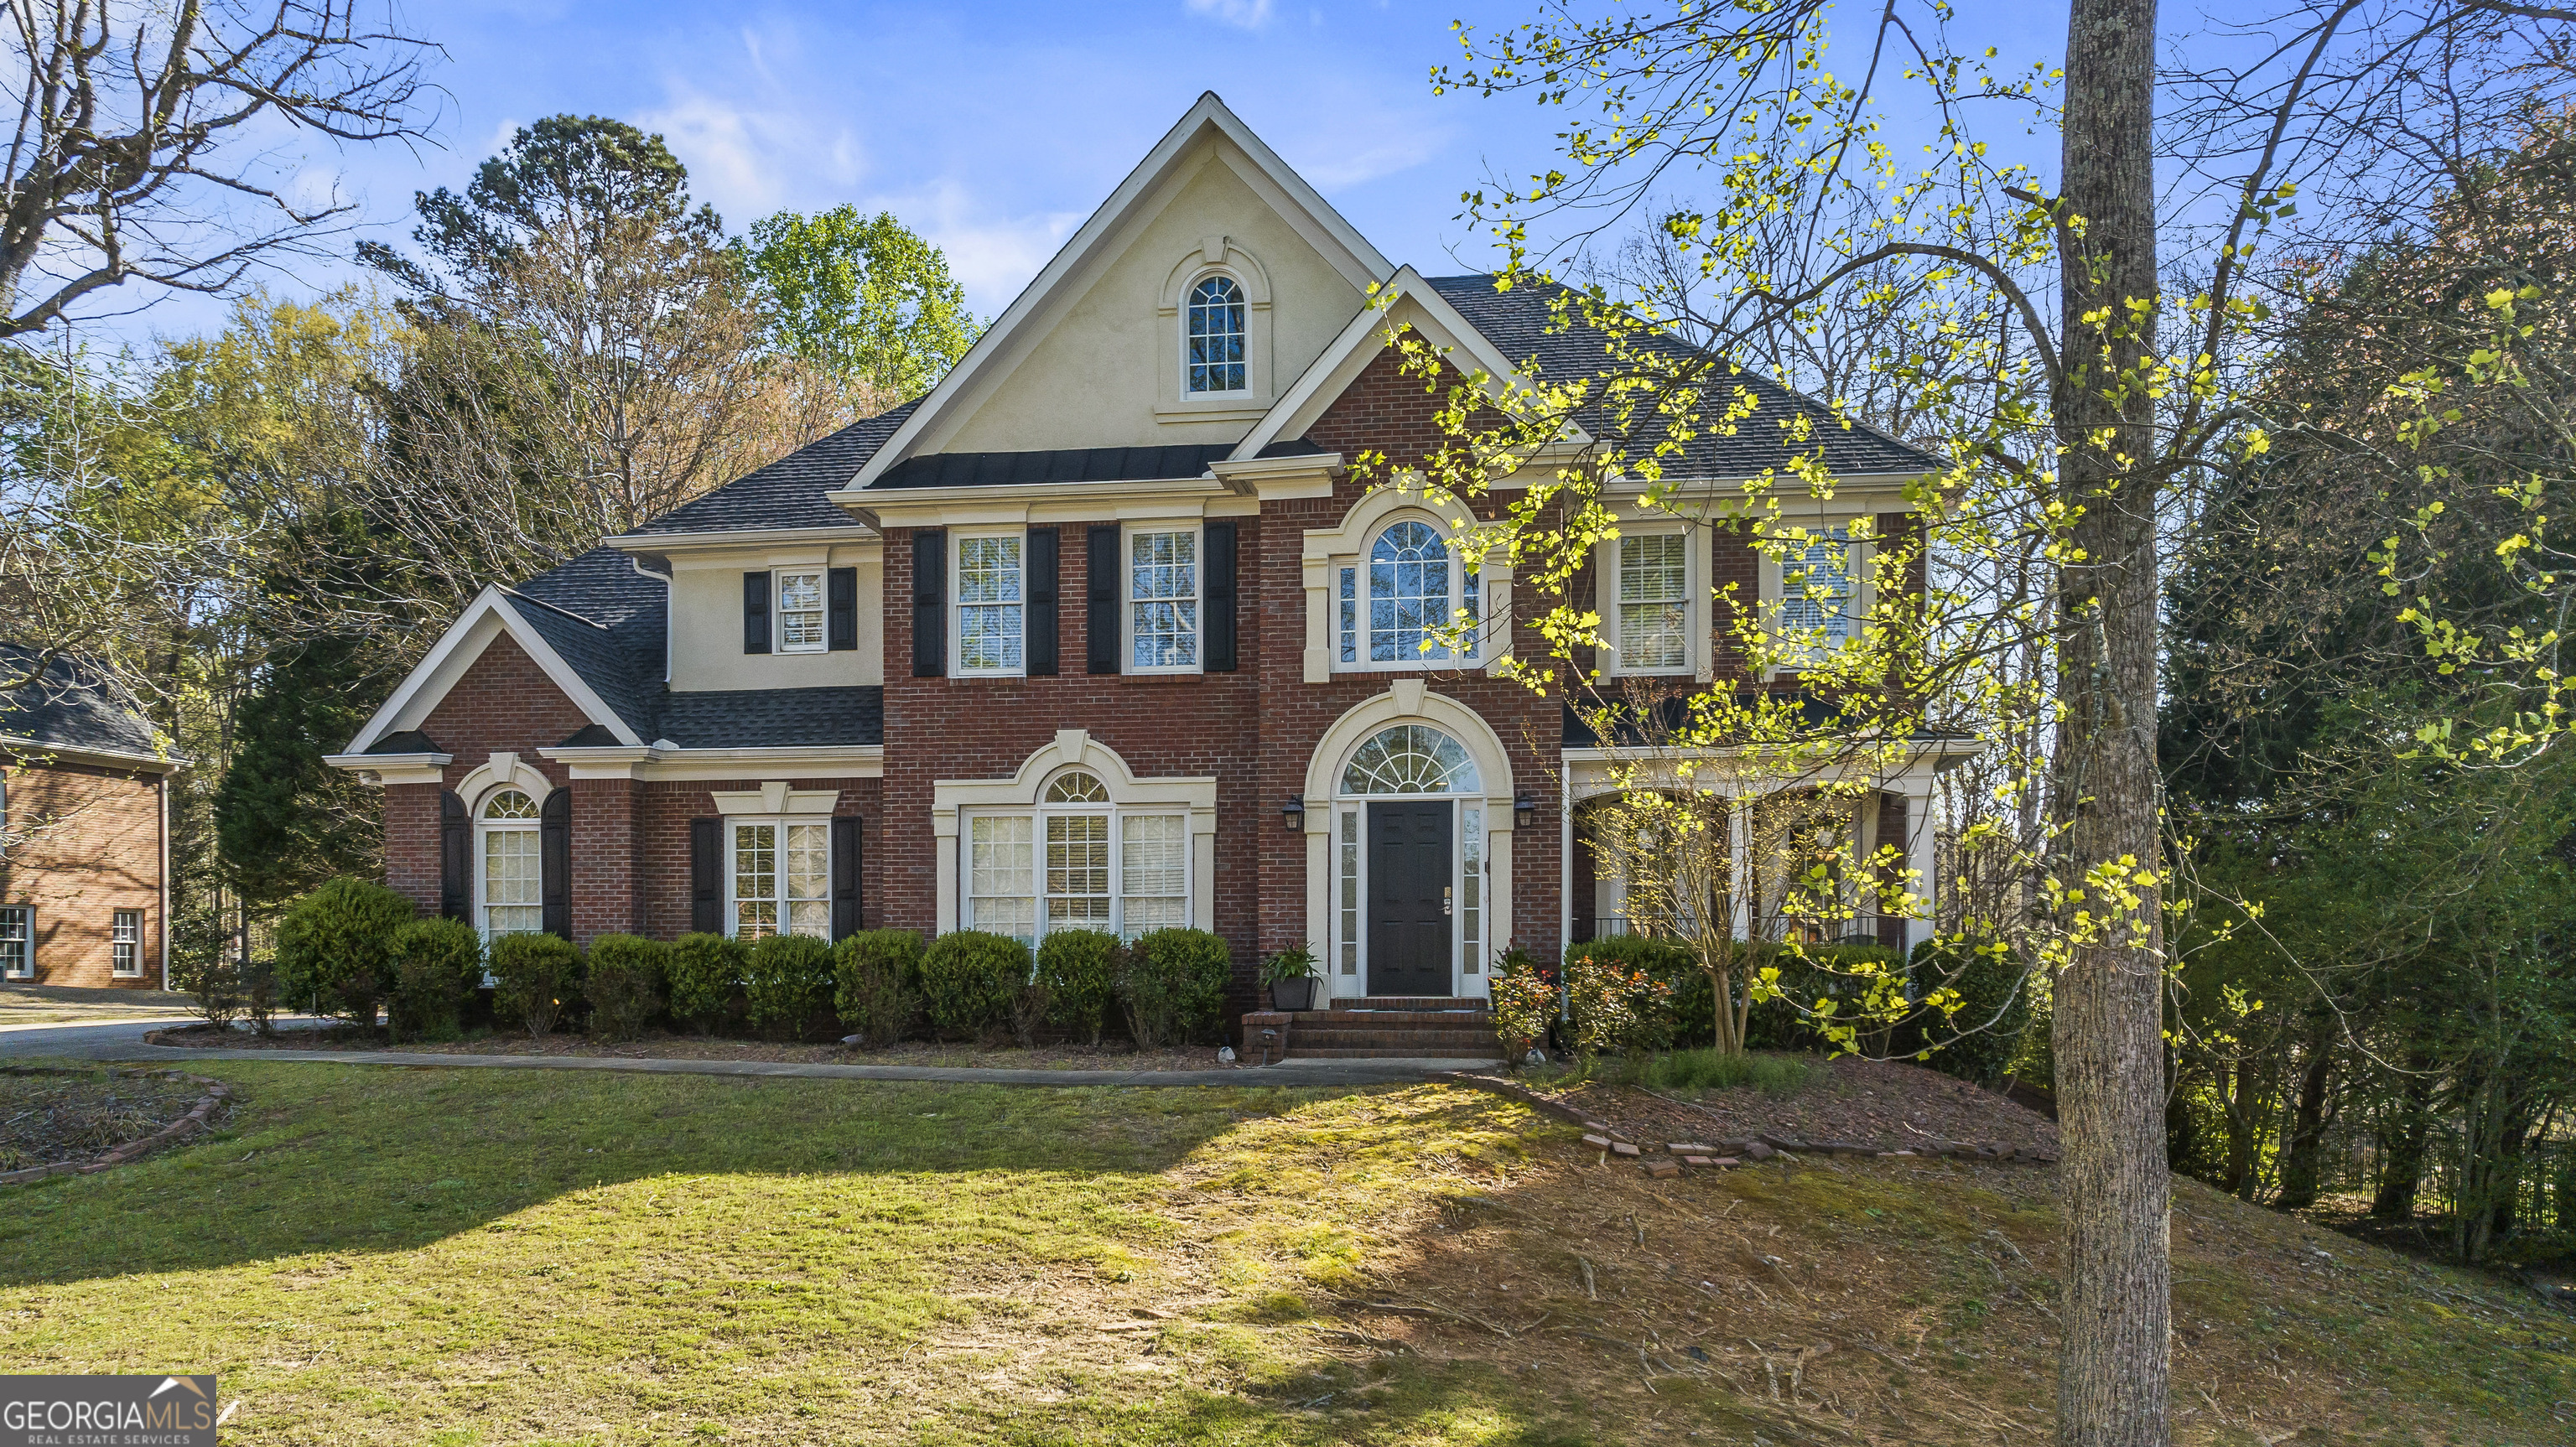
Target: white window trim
x=1419 y=663
x=1119 y=816
x=957 y=606
x=1214 y=256
x=822 y=611
x=732 y=877
x=1696 y=617
x=135 y=944
x=1127 y=595
x=1860 y=557
x=483 y=830
x=1191 y=796
x=28 y=911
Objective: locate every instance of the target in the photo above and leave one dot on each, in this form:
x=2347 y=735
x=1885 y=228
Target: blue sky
x=993 y=130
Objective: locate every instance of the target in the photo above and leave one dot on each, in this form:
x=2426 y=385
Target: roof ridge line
x=558 y=608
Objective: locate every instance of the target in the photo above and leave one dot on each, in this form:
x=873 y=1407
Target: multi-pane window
x=17 y=942
x=1348 y=882
x=988 y=604
x=513 y=876
x=1214 y=356
x=1471 y=889
x=1076 y=863
x=125 y=942
x=1000 y=880
x=782 y=879
x=800 y=613
x=1163 y=600
x=1816 y=588
x=1415 y=588
x=1654 y=601
x=1153 y=870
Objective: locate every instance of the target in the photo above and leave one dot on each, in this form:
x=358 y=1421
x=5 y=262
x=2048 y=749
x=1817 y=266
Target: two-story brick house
x=1101 y=632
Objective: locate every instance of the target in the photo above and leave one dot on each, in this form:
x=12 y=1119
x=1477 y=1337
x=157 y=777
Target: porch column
x=1921 y=856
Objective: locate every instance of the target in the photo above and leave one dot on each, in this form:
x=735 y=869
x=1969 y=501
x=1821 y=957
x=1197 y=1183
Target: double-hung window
x=989 y=603
x=1816 y=594
x=1076 y=862
x=800 y=612
x=17 y=942
x=512 y=879
x=1654 y=603
x=1163 y=601
x=782 y=878
x=125 y=942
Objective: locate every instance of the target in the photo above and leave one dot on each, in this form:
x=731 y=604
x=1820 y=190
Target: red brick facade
x=86 y=843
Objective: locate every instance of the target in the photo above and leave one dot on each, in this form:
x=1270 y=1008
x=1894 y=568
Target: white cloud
x=1250 y=14
x=992 y=257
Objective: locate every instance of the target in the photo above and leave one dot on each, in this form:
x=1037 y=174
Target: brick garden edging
x=1732 y=1152
x=195 y=1120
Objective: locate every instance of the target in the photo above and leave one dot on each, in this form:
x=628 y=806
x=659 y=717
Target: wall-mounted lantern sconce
x=1294 y=812
x=1524 y=812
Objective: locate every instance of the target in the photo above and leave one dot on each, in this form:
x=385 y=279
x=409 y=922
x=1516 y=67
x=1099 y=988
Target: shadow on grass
x=321 y=1158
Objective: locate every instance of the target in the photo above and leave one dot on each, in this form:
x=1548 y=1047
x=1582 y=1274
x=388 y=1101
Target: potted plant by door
x=1291 y=977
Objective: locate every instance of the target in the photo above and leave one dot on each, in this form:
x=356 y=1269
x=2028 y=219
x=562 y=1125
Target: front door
x=1411 y=866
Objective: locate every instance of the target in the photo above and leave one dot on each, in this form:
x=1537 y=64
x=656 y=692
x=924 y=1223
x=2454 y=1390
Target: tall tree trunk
x=2303 y=1165
x=2401 y=1146
x=2244 y=1127
x=2114 y=1372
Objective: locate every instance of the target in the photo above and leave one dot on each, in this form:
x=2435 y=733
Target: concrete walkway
x=122 y=1040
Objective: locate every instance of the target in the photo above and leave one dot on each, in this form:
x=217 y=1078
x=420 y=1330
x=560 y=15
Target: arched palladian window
x=1076 y=862
x=511 y=873
x=1214 y=357
x=1411 y=759
x=1416 y=586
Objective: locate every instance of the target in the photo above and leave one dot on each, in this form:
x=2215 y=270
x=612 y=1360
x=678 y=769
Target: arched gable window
x=1213 y=360
x=510 y=874
x=1416 y=586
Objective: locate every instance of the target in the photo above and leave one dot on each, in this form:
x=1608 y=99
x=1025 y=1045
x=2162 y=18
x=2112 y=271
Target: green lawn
x=466 y=1257
x=482 y=1256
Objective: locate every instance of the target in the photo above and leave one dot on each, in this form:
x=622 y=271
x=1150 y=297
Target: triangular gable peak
x=1089 y=355
x=492 y=614
x=1405 y=303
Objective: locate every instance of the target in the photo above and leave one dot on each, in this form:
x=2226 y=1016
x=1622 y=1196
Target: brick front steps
x=1376 y=1028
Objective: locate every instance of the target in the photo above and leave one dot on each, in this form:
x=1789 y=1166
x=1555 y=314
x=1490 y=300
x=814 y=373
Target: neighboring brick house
x=1101 y=632
x=84 y=829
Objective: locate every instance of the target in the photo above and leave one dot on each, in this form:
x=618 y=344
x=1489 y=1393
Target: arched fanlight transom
x=1411 y=759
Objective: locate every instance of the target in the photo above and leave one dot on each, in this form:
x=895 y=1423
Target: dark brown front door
x=1411 y=861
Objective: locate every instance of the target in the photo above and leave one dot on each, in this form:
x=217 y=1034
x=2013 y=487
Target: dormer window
x=1214 y=359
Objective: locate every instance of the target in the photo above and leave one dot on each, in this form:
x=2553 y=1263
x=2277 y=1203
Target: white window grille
x=125 y=942
x=17 y=942
x=1163 y=601
x=782 y=879
x=800 y=613
x=1214 y=356
x=1654 y=601
x=513 y=874
x=989 y=604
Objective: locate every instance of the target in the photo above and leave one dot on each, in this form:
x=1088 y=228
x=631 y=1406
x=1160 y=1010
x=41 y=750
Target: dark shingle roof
x=606 y=621
x=1074 y=464
x=775 y=717
x=407 y=741
x=788 y=493
x=1521 y=323
x=72 y=704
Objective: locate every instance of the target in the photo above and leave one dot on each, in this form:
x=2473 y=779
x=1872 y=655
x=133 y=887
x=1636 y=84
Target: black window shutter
x=755 y=612
x=845 y=876
x=455 y=858
x=706 y=876
x=929 y=603
x=842 y=609
x=554 y=862
x=1043 y=572
x=1100 y=628
x=1219 y=604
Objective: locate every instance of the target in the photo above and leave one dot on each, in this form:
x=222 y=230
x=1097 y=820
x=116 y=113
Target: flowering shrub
x=1524 y=1001
x=1616 y=1007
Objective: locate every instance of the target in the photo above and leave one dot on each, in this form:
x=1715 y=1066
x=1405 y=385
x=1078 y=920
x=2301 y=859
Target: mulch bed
x=69 y=1119
x=701 y=1047
x=1857 y=1107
